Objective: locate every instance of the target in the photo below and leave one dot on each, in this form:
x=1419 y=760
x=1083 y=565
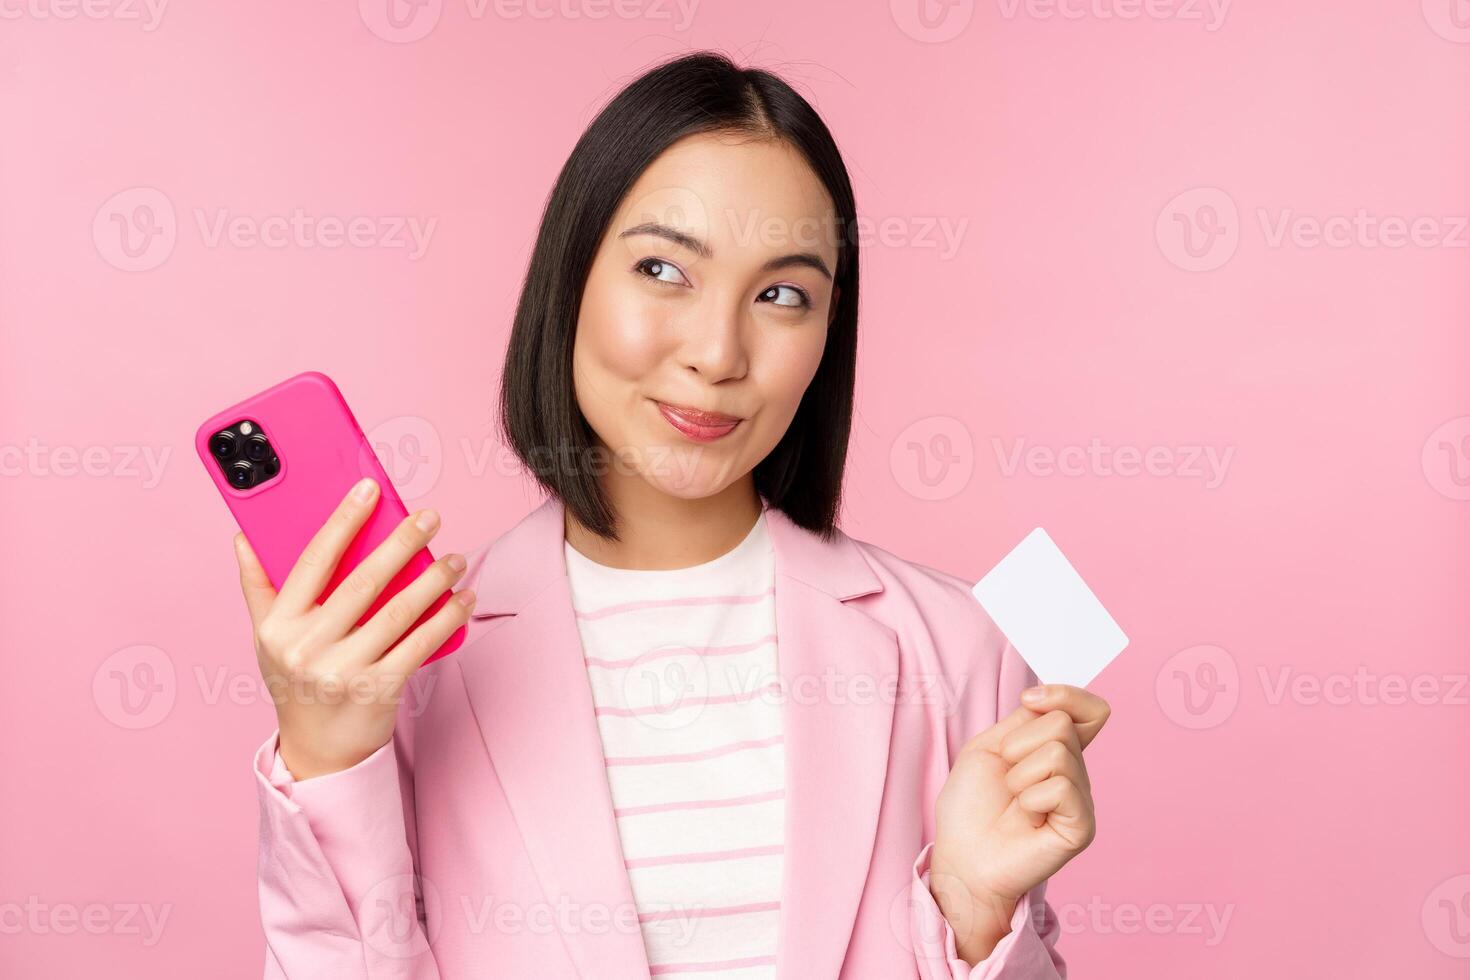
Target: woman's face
x=711 y=292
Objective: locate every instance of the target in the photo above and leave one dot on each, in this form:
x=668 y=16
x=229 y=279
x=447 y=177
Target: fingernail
x=427 y=520
x=454 y=562
x=1034 y=695
x=365 y=489
x=465 y=598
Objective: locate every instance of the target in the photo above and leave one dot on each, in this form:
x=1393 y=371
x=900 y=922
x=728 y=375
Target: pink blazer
x=492 y=794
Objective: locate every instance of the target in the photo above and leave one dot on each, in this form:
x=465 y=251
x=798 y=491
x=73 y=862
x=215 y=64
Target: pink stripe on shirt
x=619 y=608
x=704 y=857
x=739 y=697
x=722 y=651
x=633 y=811
x=659 y=760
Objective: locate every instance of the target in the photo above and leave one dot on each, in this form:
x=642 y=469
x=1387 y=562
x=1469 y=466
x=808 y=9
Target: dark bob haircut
x=539 y=417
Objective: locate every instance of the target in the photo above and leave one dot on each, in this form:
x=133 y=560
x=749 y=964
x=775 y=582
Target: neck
x=658 y=531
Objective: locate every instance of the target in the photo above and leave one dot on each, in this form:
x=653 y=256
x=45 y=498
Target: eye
x=794 y=297
x=662 y=271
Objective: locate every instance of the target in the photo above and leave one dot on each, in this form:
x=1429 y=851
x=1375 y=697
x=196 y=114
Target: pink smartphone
x=283 y=460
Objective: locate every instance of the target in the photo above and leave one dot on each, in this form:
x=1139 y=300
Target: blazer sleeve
x=338 y=892
x=1028 y=951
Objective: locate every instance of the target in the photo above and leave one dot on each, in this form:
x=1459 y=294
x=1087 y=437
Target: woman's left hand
x=1016 y=807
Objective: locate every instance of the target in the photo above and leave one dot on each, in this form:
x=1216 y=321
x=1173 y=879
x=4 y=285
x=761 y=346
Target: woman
x=694 y=728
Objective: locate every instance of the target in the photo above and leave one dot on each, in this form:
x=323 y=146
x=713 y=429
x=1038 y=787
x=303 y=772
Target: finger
x=1054 y=726
x=1062 y=804
x=318 y=560
x=403 y=610
x=356 y=593
x=254 y=582
x=1088 y=711
x=411 y=652
x=990 y=739
x=1051 y=759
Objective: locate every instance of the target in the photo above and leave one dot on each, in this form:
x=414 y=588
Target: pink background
x=1245 y=829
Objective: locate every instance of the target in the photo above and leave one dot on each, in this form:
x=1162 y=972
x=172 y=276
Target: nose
x=713 y=342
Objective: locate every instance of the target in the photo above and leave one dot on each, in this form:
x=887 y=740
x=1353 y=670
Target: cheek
x=630 y=349
x=618 y=337
x=616 y=354
x=790 y=367
x=793 y=365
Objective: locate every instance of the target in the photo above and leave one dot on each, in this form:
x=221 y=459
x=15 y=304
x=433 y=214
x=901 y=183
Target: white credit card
x=1049 y=614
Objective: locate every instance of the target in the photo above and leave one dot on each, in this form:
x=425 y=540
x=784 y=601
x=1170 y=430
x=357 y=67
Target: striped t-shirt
x=683 y=670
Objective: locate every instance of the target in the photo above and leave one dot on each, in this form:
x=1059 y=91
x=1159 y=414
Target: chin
x=695 y=488
x=687 y=472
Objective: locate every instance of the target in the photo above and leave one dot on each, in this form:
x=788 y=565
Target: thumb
x=254 y=583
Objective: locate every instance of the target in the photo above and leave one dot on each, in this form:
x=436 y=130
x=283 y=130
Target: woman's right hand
x=336 y=686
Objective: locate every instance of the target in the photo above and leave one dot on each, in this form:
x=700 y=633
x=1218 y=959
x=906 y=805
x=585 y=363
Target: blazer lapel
x=528 y=689
x=835 y=662
x=527 y=685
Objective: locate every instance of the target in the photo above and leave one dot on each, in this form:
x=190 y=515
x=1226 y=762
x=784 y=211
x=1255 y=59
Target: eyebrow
x=810 y=260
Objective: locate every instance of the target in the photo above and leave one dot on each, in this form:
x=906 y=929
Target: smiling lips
x=697 y=425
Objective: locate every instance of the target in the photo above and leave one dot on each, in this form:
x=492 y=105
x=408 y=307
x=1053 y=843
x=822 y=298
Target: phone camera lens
x=242 y=474
x=270 y=467
x=257 y=448
x=222 y=444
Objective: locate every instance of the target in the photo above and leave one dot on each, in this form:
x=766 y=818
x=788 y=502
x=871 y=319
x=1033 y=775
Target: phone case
x=322 y=452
